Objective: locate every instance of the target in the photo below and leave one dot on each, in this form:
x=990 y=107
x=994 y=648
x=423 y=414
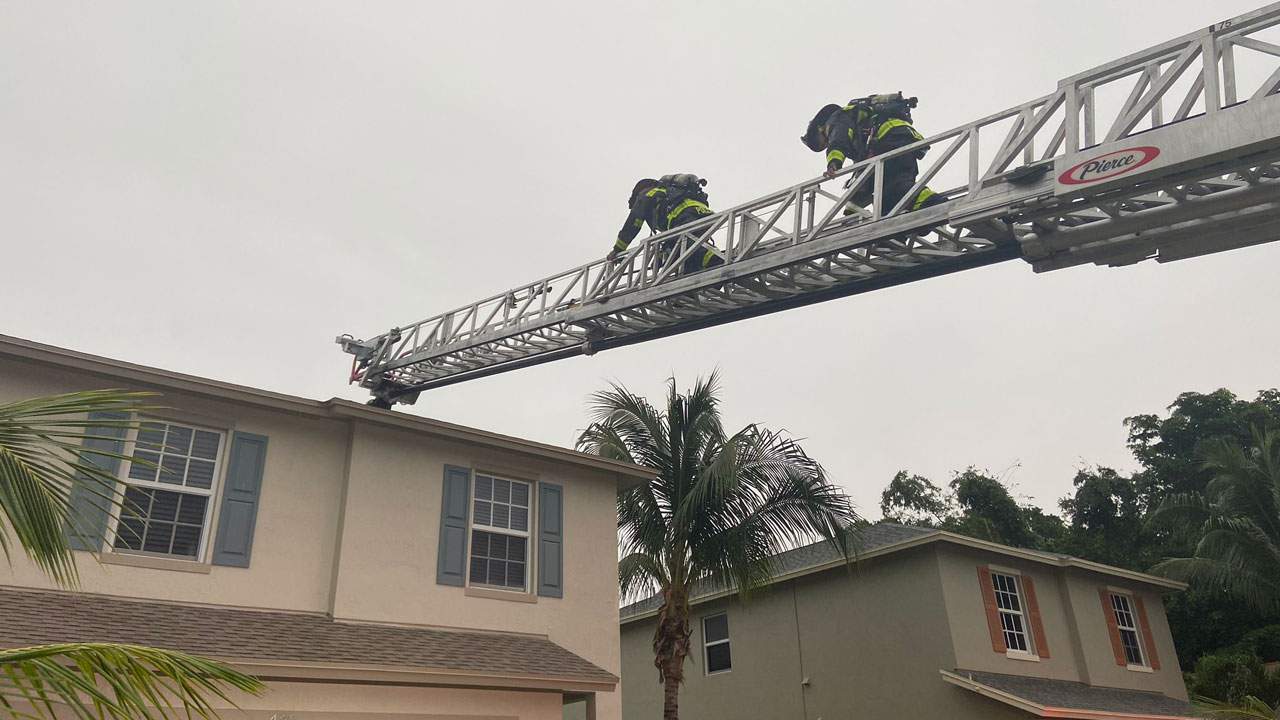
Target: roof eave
x=296 y=670
x=1046 y=711
x=148 y=378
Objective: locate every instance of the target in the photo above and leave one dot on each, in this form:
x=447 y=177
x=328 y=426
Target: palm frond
x=1249 y=708
x=42 y=455
x=121 y=682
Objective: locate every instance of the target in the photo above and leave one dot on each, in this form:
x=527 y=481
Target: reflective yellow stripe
x=671 y=216
x=620 y=244
x=708 y=257
x=834 y=156
x=924 y=195
x=655 y=191
x=892 y=123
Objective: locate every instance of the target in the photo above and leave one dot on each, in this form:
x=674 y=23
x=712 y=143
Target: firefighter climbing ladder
x=1186 y=164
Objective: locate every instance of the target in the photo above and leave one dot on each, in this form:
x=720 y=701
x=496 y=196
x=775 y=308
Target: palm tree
x=1239 y=518
x=41 y=456
x=720 y=507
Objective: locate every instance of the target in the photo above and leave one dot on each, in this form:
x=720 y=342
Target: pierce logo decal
x=1110 y=165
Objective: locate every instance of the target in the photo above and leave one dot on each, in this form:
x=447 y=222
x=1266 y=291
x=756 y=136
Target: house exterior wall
x=871 y=642
x=348 y=524
x=1074 y=624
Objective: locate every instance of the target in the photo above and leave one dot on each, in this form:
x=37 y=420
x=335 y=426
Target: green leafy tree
x=1233 y=676
x=1106 y=521
x=1171 y=450
x=1239 y=515
x=718 y=509
x=913 y=500
x=40 y=458
x=975 y=504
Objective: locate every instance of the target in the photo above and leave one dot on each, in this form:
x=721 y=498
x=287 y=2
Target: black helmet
x=640 y=187
x=810 y=137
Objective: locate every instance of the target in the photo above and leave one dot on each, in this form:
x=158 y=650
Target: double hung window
x=500 y=533
x=1127 y=626
x=1009 y=603
x=169 y=487
x=715 y=643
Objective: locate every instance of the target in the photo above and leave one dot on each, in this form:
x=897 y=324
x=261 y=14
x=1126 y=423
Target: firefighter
x=668 y=202
x=863 y=129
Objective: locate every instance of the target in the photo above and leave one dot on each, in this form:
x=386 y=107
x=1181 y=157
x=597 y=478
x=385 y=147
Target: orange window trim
x=1033 y=614
x=1148 y=640
x=1117 y=646
x=993 y=613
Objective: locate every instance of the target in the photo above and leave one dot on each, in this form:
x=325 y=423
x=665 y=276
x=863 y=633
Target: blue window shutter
x=451 y=560
x=234 y=541
x=91 y=500
x=550 y=540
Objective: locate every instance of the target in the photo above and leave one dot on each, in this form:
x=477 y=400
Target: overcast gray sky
x=220 y=188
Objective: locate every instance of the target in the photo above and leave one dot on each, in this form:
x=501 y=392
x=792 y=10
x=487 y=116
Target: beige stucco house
x=366 y=563
x=926 y=624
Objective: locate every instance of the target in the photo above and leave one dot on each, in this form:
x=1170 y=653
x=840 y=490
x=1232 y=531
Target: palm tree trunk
x=671 y=648
x=671 y=700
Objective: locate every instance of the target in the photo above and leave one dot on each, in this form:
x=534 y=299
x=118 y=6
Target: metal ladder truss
x=1168 y=153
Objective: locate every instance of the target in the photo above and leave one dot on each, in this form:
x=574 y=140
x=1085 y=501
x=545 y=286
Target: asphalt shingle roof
x=819 y=553
x=1079 y=696
x=38 y=617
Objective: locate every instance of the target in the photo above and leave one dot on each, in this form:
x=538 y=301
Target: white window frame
x=527 y=534
x=706 y=662
x=124 y=482
x=1131 y=610
x=1021 y=613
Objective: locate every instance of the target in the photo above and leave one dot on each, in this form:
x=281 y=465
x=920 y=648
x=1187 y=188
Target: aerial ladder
x=1169 y=153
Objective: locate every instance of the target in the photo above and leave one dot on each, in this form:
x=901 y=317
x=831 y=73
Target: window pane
x=501 y=491
x=520 y=494
x=501 y=516
x=159 y=537
x=142 y=471
x=480 y=544
x=206 y=445
x=151 y=436
x=137 y=502
x=497 y=573
x=178 y=440
x=165 y=506
x=716 y=628
x=200 y=474
x=186 y=539
x=718 y=658
x=483 y=513
x=129 y=533
x=519 y=519
x=479 y=571
x=484 y=487
x=172 y=468
x=515 y=575
x=497 y=546
x=515 y=548
x=191 y=510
